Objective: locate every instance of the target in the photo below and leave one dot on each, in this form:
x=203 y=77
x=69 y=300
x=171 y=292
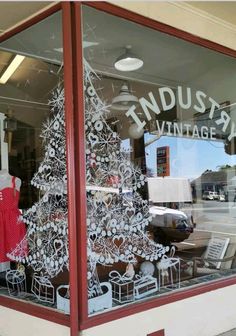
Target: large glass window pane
x=33 y=178
x=160 y=159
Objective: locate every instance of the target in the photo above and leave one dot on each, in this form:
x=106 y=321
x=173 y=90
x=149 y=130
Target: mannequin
x=12 y=229
x=6 y=180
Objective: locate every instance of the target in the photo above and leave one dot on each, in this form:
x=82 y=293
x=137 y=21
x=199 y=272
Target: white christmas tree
x=46 y=241
x=117 y=216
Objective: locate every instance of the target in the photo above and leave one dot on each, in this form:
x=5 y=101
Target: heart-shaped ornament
x=130 y=212
x=93 y=138
x=118 y=240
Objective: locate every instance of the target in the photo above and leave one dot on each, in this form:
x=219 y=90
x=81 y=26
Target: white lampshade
x=128 y=61
x=124 y=100
x=134 y=133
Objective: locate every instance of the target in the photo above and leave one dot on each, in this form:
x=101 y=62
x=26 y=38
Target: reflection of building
x=219 y=181
x=163 y=161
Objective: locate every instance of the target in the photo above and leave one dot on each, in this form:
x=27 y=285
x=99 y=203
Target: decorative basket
x=16 y=282
x=103 y=301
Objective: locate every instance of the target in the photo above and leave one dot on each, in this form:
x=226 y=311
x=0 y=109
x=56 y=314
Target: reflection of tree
x=150 y=172
x=223 y=167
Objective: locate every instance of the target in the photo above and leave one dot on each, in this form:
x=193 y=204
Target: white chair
x=219 y=255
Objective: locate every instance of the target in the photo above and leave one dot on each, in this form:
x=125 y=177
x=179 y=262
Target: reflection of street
x=212 y=218
x=215 y=216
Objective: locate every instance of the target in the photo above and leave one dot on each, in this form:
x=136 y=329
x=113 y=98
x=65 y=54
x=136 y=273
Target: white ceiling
x=167 y=60
x=29 y=88
x=42 y=40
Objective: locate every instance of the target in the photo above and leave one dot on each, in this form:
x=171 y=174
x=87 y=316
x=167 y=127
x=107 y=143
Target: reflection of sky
x=189 y=157
x=125 y=145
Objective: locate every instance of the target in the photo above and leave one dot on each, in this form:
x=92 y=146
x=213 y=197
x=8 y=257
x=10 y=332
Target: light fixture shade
x=128 y=62
x=134 y=133
x=10 y=124
x=125 y=99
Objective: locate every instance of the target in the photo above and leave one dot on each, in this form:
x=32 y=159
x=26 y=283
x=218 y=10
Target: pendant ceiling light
x=134 y=131
x=128 y=61
x=125 y=99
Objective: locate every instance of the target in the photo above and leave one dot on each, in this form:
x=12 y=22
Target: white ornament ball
x=39 y=242
x=56 y=125
x=134 y=132
x=147 y=268
x=33 y=208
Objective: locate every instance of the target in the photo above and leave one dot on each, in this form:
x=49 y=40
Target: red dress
x=12 y=229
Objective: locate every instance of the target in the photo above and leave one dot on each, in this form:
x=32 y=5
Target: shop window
x=160 y=162
x=33 y=179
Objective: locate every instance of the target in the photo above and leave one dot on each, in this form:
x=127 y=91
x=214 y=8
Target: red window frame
x=74 y=111
x=158 y=333
x=25 y=307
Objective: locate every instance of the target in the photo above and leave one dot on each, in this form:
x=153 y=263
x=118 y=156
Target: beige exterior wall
x=203 y=315
x=13 y=323
x=185 y=17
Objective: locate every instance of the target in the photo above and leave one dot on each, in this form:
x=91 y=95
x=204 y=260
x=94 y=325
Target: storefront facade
x=118 y=141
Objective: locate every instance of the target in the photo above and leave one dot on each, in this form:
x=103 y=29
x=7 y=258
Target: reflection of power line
x=215 y=145
x=215 y=110
x=205 y=119
x=223 y=107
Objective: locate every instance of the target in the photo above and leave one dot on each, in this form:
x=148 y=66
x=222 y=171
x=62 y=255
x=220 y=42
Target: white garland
x=116 y=213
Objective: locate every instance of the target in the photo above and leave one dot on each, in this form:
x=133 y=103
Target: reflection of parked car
x=222 y=198
x=215 y=195
x=169 y=225
x=210 y=195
